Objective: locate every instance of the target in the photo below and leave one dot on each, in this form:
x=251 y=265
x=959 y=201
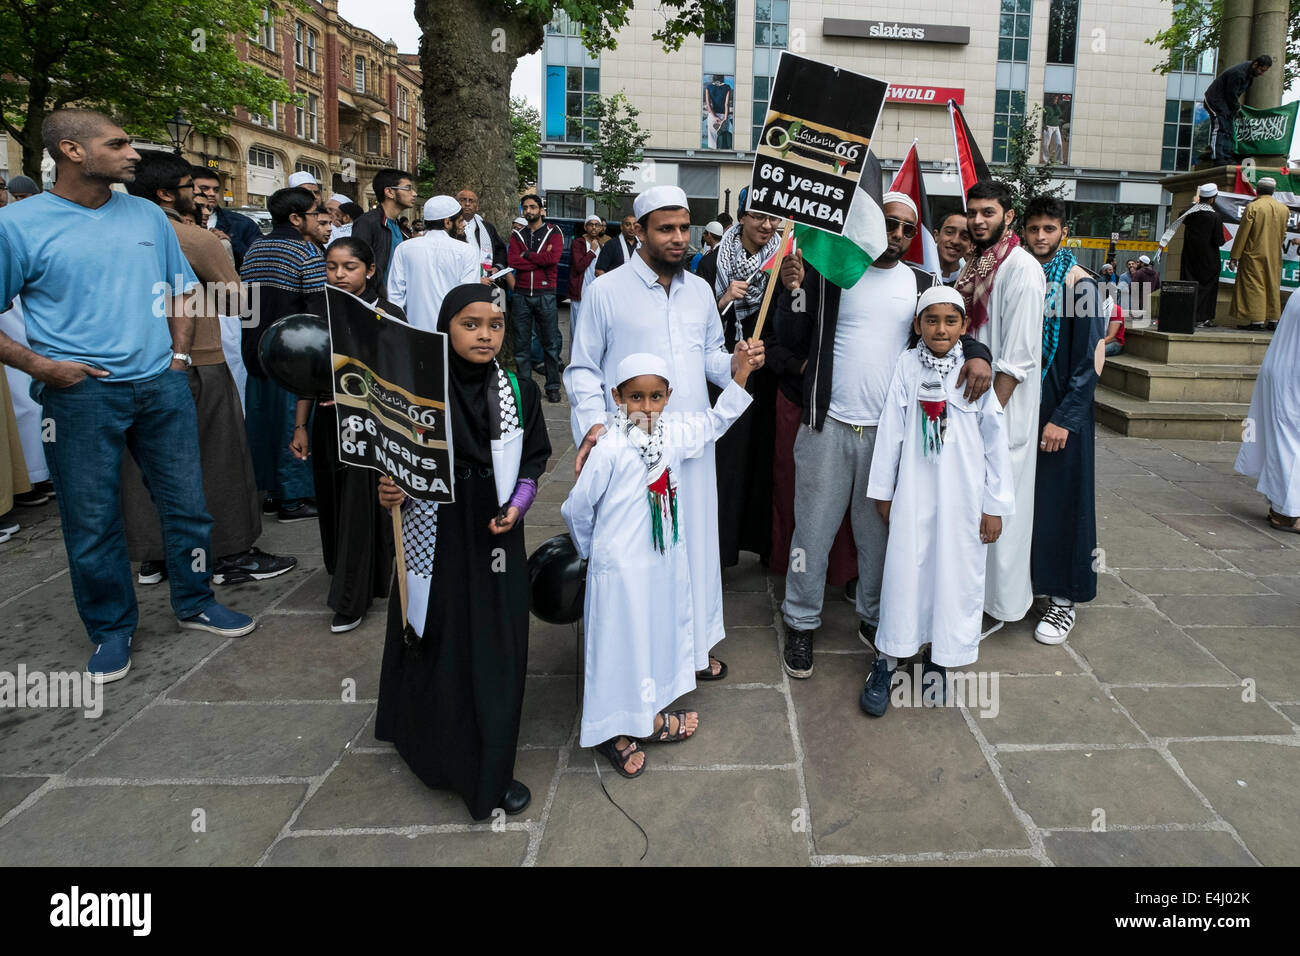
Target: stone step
x=1138 y=418
x=1155 y=381
x=1204 y=347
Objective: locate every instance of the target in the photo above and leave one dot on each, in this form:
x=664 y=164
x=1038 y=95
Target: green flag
x=1265 y=132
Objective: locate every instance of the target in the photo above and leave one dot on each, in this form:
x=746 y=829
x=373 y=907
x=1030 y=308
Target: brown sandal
x=620 y=758
x=1276 y=520
x=663 y=735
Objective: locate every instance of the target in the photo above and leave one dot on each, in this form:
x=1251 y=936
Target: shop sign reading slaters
x=892 y=30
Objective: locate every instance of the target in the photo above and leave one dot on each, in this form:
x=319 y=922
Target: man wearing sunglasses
x=852 y=339
x=382 y=228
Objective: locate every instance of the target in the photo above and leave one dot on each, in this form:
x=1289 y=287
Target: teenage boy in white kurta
x=654 y=305
x=642 y=646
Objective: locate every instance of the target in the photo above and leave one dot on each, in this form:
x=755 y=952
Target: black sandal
x=1282 y=522
x=707 y=673
x=619 y=758
x=663 y=735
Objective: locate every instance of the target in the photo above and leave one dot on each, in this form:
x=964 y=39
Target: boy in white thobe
x=942 y=476
x=643 y=645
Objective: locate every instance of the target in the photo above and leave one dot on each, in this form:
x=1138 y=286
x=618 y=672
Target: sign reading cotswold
x=926 y=95
x=892 y=30
x=814 y=143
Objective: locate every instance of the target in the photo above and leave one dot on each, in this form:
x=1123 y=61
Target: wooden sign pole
x=773 y=281
x=399 y=550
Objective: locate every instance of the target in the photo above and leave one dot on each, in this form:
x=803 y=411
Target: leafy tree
x=424 y=177
x=139 y=60
x=468 y=53
x=1197 y=26
x=618 y=145
x=525 y=140
x=1023 y=177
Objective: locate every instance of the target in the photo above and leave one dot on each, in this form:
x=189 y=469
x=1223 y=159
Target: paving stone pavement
x=1164 y=732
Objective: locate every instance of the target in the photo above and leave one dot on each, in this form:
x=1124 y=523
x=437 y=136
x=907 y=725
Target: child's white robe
x=933 y=588
x=643 y=646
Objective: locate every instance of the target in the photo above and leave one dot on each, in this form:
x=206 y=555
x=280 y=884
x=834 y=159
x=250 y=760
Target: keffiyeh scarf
x=975 y=284
x=1056 y=270
x=661 y=484
x=1168 y=235
x=932 y=396
x=737 y=265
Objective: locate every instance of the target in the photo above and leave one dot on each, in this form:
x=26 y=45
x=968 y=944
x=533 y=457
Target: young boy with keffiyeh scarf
x=941 y=476
x=629 y=521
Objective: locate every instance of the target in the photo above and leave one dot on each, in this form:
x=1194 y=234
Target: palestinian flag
x=910 y=182
x=971 y=167
x=1287 y=180
x=843 y=258
x=771 y=260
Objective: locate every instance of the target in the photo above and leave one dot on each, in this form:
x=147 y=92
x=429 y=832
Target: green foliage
x=617 y=148
x=424 y=174
x=1023 y=177
x=525 y=139
x=602 y=19
x=137 y=60
x=1196 y=28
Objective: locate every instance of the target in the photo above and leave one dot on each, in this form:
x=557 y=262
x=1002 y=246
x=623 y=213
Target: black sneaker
x=303 y=511
x=45 y=487
x=270 y=506
x=152 y=572
x=851 y=591
x=875 y=692
x=798 y=657
x=253 y=565
x=867 y=634
x=553 y=395
x=343 y=623
x=32 y=499
x=933 y=676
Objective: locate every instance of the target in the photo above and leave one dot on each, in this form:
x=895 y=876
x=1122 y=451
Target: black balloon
x=295 y=353
x=558 y=580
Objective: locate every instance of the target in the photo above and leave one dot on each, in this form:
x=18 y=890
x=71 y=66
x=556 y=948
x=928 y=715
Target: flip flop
x=663 y=736
x=1291 y=524
x=707 y=673
x=619 y=758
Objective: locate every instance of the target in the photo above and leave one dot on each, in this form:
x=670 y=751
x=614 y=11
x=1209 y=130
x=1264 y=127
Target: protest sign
x=1230 y=206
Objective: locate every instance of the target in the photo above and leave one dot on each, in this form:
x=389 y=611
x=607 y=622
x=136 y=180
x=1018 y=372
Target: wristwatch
x=182 y=357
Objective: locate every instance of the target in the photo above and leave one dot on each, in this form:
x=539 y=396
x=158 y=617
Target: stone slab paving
x=1165 y=732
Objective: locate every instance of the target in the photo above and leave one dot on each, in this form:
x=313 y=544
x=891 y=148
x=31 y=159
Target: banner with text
x=1265 y=132
x=390 y=385
x=815 y=139
x=1230 y=206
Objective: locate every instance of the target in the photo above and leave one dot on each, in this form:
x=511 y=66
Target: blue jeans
x=94 y=421
x=1114 y=348
x=524 y=310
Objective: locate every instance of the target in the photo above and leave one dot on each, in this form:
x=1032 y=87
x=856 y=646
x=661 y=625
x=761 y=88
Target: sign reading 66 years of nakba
x=390 y=386
x=814 y=143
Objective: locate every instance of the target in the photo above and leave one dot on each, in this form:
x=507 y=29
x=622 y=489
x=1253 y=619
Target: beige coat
x=1257 y=296
x=13 y=466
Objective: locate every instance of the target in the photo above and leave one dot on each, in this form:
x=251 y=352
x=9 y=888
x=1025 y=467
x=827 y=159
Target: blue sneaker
x=875 y=692
x=220 y=619
x=111 y=660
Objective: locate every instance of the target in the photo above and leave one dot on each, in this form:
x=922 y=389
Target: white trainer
x=1057 y=622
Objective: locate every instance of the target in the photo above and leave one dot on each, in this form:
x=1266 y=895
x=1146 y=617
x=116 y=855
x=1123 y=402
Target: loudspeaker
x=1178 y=307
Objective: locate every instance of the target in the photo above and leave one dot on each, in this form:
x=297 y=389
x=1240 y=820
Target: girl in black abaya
x=451 y=691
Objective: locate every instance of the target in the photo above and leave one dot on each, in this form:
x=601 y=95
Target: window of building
x=403 y=150
x=726 y=31
x=1008 y=111
x=581 y=90
x=257 y=156
x=565 y=205
x=265 y=32
x=1180 y=123
x=299 y=43
x=304 y=166
x=269 y=119
x=313 y=103
x=771 y=22
x=359 y=74
x=312 y=38
x=401 y=104
x=419 y=113
x=1013 y=31
x=372 y=139
x=762 y=90
x=562 y=25
x=1062 y=31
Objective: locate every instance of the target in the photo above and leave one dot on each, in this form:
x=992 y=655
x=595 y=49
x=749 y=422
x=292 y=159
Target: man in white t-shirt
x=852 y=338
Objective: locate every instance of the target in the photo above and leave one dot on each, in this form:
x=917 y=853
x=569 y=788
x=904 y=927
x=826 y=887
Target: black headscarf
x=471 y=385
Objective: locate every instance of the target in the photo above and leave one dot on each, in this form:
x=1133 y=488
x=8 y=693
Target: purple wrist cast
x=525 y=492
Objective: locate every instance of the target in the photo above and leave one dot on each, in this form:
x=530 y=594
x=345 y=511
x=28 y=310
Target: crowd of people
x=923 y=440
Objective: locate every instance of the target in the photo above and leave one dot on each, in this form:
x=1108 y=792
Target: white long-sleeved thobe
x=27 y=413
x=423 y=270
x=643 y=648
x=1014 y=334
x=1270 y=445
x=933 y=586
x=627 y=311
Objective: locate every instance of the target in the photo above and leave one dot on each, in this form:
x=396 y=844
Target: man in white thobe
x=423 y=270
x=653 y=304
x=1010 y=317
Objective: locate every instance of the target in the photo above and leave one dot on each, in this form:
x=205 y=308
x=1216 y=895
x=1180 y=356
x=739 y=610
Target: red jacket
x=535 y=271
x=579 y=259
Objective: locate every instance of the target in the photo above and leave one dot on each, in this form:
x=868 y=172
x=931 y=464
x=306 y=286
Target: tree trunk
x=37 y=93
x=467 y=54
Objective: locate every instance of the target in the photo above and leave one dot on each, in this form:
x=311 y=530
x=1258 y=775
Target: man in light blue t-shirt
x=109 y=344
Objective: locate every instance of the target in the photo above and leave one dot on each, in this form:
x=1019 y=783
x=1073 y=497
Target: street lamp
x=178 y=128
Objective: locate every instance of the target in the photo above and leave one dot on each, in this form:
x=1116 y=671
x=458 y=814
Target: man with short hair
x=320 y=225
x=229 y=485
x=238 y=228
x=383 y=227
x=620 y=249
x=425 y=269
x=1063 y=549
x=655 y=305
x=952 y=239
x=305 y=180
x=534 y=253
x=282 y=270
x=480 y=233
x=1256 y=257
x=1222 y=101
x=852 y=339
x=109 y=371
x=1003 y=286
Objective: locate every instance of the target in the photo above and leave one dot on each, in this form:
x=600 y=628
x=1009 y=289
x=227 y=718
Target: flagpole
x=399 y=551
x=774 y=282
